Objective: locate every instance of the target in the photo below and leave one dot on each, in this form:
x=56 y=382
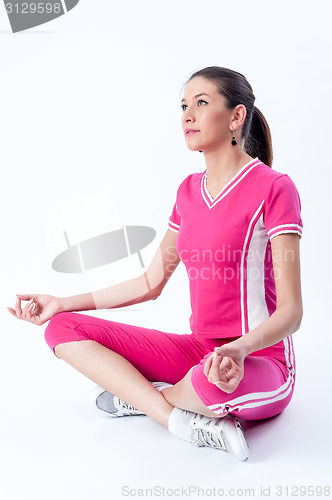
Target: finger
x=230 y=375
x=230 y=379
x=33 y=313
x=26 y=296
x=225 y=365
x=229 y=386
x=33 y=309
x=30 y=305
x=230 y=371
x=207 y=365
x=25 y=311
x=26 y=307
x=18 y=308
x=218 y=350
x=12 y=311
x=30 y=310
x=214 y=374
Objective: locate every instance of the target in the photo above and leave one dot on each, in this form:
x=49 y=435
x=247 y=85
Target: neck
x=224 y=163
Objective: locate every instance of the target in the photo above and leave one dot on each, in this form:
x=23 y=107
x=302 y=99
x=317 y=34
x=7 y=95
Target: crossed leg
x=123 y=359
x=118 y=376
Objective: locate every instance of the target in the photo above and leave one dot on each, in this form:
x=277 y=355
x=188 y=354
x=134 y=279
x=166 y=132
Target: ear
x=238 y=116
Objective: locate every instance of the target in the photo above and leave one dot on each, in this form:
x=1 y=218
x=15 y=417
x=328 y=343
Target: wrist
x=83 y=302
x=63 y=304
x=244 y=345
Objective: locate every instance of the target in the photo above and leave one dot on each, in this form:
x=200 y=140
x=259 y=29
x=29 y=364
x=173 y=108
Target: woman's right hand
x=38 y=310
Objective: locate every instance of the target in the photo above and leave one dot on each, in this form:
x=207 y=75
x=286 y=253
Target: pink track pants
x=269 y=374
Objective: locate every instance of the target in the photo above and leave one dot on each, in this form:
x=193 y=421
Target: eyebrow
x=197 y=95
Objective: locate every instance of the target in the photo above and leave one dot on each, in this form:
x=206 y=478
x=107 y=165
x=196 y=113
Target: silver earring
x=234 y=142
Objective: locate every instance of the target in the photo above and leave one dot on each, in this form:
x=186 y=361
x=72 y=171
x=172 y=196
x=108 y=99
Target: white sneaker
x=224 y=433
x=111 y=404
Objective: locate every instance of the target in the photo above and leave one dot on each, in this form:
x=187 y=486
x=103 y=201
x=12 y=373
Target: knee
x=60 y=327
x=58 y=322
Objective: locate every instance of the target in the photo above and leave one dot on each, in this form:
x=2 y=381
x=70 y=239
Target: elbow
x=300 y=313
x=298 y=318
x=154 y=290
x=156 y=293
x=294 y=313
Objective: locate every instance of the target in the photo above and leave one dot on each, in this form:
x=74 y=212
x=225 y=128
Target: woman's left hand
x=224 y=367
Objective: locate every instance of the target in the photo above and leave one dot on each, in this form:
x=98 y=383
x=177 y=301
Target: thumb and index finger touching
x=17 y=312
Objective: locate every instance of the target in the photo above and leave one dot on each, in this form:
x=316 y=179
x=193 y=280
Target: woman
x=236 y=227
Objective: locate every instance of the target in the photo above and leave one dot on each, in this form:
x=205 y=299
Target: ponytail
x=237 y=90
x=258 y=141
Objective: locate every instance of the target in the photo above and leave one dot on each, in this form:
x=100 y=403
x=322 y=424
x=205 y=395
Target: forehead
x=199 y=85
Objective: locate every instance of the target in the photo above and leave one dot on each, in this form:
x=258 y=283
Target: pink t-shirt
x=225 y=244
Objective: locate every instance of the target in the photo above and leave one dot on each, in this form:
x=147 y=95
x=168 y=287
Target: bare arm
x=147 y=286
x=225 y=366
x=288 y=314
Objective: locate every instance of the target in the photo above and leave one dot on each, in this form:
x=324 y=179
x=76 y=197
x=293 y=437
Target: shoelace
x=126 y=408
x=202 y=435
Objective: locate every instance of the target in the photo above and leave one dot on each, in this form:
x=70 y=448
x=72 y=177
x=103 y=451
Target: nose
x=188 y=115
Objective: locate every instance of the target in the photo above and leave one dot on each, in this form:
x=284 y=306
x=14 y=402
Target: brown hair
x=237 y=90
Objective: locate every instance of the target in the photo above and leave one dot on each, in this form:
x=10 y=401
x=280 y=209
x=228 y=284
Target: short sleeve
x=175 y=220
x=282 y=208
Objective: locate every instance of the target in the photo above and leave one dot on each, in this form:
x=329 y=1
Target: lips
x=190 y=131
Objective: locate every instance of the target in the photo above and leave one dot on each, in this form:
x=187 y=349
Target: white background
x=91 y=140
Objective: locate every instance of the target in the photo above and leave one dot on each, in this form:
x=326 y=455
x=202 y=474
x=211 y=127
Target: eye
x=184 y=106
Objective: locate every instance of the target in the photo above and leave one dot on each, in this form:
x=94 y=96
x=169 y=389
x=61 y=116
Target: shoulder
x=267 y=173
x=272 y=179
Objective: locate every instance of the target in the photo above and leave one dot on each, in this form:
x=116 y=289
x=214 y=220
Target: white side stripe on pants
x=256 y=399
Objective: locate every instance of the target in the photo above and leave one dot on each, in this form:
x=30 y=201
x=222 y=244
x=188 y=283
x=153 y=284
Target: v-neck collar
x=211 y=202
